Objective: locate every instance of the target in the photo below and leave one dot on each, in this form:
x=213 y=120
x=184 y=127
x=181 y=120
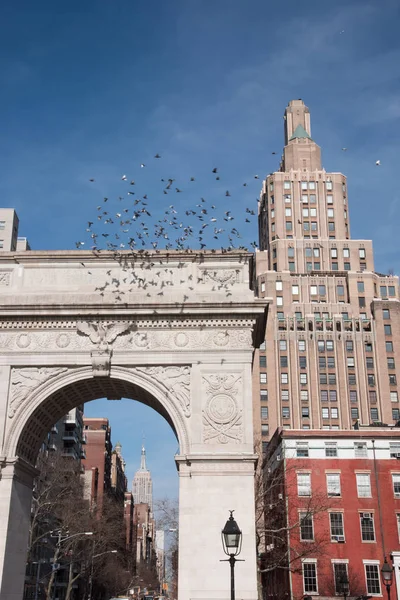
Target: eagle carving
x=103 y=334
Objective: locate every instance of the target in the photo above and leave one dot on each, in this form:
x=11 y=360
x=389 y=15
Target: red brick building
x=332 y=503
x=98 y=460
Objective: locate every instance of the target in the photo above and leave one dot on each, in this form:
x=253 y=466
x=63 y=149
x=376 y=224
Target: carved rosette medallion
x=25 y=381
x=63 y=340
x=181 y=339
x=222 y=417
x=176 y=381
x=23 y=340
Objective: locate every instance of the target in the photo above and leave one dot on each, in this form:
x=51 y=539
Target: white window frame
x=333 y=487
x=334 y=536
x=312 y=561
x=396 y=481
x=278 y=285
x=305 y=485
x=361 y=487
x=375 y=563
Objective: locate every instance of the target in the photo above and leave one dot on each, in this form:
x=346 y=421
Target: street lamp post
x=387 y=576
x=91 y=569
x=232 y=545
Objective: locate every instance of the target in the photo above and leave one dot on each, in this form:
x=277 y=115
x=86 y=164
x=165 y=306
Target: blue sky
x=92 y=89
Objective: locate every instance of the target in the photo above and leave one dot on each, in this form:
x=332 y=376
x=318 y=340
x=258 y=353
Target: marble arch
x=75 y=327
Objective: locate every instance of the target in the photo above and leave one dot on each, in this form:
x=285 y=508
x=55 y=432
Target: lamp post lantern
x=232 y=545
x=387 y=576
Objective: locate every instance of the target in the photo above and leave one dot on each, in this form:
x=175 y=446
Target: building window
x=288 y=212
x=310 y=577
x=263 y=395
x=278 y=286
x=303 y=378
x=322 y=290
x=346 y=266
x=302 y=362
x=372 y=397
x=334 y=253
x=285 y=412
x=367 y=527
x=396 y=484
x=321 y=359
x=331 y=213
x=392 y=290
x=349 y=346
x=305 y=412
x=295 y=290
x=383 y=291
x=340 y=573
x=302 y=449
x=325 y=413
x=361 y=302
x=390 y=363
x=353 y=396
x=336 y=523
x=263 y=378
x=352 y=379
x=372 y=579
x=263 y=361
x=283 y=361
x=389 y=346
x=395 y=414
x=360 y=287
x=387 y=329
x=323 y=378
x=324 y=396
x=279 y=300
x=284 y=378
x=321 y=346
x=2 y=224
x=282 y=345
x=304 y=484
x=329 y=199
x=332 y=395
x=354 y=413
x=394 y=449
x=333 y=484
x=392 y=380
x=264 y=429
x=330 y=449
x=292 y=266
x=264 y=412
x=286 y=185
x=363 y=485
x=386 y=313
x=369 y=362
x=302 y=345
x=329 y=345
x=368 y=347
x=394 y=397
x=306 y=527
x=374 y=415
x=313 y=290
x=371 y=379
x=334 y=413
x=285 y=395
x=264 y=447
x=360 y=450
x=304 y=395
x=289 y=226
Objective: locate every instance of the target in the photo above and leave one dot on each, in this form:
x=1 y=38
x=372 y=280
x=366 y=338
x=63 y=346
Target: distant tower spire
x=143 y=459
x=142 y=485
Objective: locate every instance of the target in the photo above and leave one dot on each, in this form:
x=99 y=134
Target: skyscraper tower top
x=142 y=486
x=300 y=152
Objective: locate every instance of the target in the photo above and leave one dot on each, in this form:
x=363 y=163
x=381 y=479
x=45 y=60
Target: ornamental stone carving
x=103 y=334
x=153 y=339
x=220 y=276
x=222 y=416
x=176 y=380
x=4 y=277
x=24 y=381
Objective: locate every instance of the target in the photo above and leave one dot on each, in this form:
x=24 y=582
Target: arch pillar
x=210 y=486
x=16 y=479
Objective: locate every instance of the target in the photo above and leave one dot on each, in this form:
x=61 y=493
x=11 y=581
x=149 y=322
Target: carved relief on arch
x=222 y=413
x=24 y=381
x=176 y=380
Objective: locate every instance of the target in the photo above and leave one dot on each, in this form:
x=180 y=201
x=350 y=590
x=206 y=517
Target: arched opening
x=60 y=394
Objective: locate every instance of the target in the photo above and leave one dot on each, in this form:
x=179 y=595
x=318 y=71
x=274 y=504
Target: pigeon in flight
x=124 y=178
x=378 y=163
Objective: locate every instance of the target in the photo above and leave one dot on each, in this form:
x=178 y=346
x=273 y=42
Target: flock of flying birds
x=129 y=222
x=148 y=227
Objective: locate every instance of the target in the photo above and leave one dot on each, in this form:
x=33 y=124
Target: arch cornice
x=152 y=387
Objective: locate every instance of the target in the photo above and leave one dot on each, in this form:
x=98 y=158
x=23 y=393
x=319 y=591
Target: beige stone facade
x=330 y=349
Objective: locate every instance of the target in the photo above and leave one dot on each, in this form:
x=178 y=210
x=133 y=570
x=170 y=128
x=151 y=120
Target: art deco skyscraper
x=330 y=356
x=142 y=486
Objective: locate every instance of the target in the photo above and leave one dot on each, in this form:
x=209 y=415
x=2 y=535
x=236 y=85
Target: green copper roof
x=300 y=132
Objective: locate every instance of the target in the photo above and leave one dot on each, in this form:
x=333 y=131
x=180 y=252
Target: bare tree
x=287 y=525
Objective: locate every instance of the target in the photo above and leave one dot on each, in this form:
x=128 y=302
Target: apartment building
x=332 y=512
x=330 y=356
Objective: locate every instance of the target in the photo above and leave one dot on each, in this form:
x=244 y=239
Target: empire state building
x=142 y=486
